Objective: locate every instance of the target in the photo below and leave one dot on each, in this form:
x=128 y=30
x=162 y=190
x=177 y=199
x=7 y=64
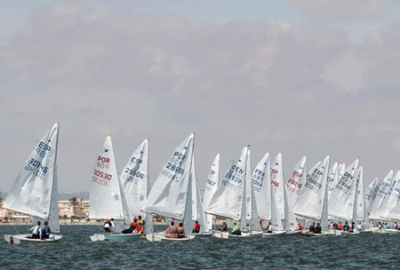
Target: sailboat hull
x=25 y=239
x=204 y=234
x=273 y=234
x=115 y=237
x=293 y=232
x=306 y=233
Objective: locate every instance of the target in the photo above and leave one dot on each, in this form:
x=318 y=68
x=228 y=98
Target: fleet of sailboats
x=250 y=199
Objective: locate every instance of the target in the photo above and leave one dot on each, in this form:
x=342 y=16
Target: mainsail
x=105 y=195
x=227 y=201
x=262 y=187
x=35 y=190
x=171 y=192
x=392 y=209
x=341 y=202
x=377 y=210
x=310 y=201
x=211 y=188
x=297 y=180
x=370 y=194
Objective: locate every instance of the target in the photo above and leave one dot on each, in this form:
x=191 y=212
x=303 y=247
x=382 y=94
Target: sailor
x=248 y=229
x=352 y=227
x=346 y=227
x=181 y=231
x=109 y=225
x=140 y=221
x=224 y=227
x=261 y=224
x=269 y=228
x=387 y=226
x=318 y=228
x=45 y=231
x=359 y=226
x=312 y=228
x=235 y=229
x=196 y=227
x=396 y=226
x=340 y=226
x=132 y=226
x=139 y=229
x=172 y=231
x=36 y=231
x=299 y=227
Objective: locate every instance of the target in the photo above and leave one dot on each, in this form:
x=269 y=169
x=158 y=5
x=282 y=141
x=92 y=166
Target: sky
x=300 y=77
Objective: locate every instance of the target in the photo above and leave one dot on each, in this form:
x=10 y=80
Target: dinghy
x=107 y=197
x=136 y=185
x=312 y=201
x=35 y=191
x=232 y=199
x=171 y=195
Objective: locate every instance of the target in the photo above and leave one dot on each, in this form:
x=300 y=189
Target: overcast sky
x=301 y=77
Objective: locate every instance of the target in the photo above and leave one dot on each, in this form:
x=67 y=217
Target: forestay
x=310 y=202
x=105 y=194
x=227 y=201
x=376 y=209
x=210 y=188
x=297 y=180
x=32 y=191
x=341 y=202
x=135 y=179
x=262 y=187
x=168 y=197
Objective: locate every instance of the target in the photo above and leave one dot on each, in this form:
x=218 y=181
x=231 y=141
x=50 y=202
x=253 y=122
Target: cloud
x=271 y=83
x=343 y=9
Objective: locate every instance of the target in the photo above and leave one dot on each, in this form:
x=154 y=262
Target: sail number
x=37 y=168
x=103 y=175
x=134 y=172
x=175 y=168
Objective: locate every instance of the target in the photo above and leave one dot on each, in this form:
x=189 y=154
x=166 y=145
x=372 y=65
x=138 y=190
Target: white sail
x=333 y=178
x=392 y=209
x=278 y=185
x=342 y=169
x=341 y=202
x=370 y=194
x=135 y=179
x=262 y=187
x=297 y=180
x=276 y=220
x=376 y=209
x=169 y=195
x=310 y=201
x=105 y=193
x=197 y=206
x=360 y=196
x=54 y=222
x=227 y=201
x=32 y=191
x=210 y=188
x=251 y=207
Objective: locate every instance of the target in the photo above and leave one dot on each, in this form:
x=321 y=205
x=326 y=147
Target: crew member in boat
x=224 y=227
x=172 y=231
x=346 y=227
x=269 y=228
x=387 y=226
x=248 y=229
x=261 y=224
x=299 y=227
x=359 y=226
x=396 y=226
x=235 y=229
x=196 y=228
x=352 y=227
x=132 y=227
x=318 y=229
x=340 y=226
x=140 y=221
x=139 y=229
x=311 y=229
x=181 y=231
x=109 y=225
x=45 y=231
x=36 y=231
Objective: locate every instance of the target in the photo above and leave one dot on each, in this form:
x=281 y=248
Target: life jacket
x=181 y=232
x=139 y=228
x=108 y=222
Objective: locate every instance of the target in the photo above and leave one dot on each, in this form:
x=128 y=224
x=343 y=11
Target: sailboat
x=171 y=195
x=231 y=200
x=343 y=199
x=211 y=187
x=377 y=208
x=312 y=201
x=35 y=191
x=136 y=184
x=262 y=188
x=107 y=197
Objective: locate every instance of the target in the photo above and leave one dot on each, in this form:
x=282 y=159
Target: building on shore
x=77 y=207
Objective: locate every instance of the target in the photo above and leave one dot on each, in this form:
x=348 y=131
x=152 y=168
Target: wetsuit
x=346 y=228
x=131 y=228
x=318 y=229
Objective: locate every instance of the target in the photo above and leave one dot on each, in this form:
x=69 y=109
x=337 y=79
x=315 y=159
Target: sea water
x=77 y=251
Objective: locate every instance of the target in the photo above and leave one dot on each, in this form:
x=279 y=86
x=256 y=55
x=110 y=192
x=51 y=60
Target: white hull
x=386 y=231
x=226 y=235
x=204 y=234
x=315 y=234
x=24 y=239
x=273 y=234
x=115 y=237
x=161 y=237
x=218 y=234
x=351 y=233
x=293 y=232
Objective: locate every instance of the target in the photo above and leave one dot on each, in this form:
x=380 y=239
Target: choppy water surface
x=76 y=250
